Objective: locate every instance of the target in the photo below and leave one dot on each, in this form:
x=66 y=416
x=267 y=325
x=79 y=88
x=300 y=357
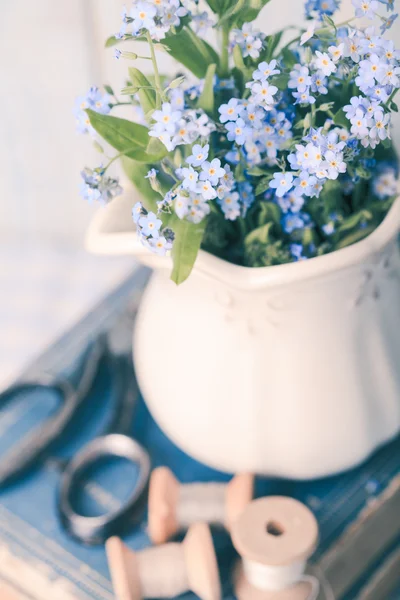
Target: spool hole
x=274 y=528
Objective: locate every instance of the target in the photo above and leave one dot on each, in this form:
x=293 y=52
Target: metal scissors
x=114 y=442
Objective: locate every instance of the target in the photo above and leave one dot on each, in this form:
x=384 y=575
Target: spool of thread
x=174 y=506
x=166 y=571
x=275 y=536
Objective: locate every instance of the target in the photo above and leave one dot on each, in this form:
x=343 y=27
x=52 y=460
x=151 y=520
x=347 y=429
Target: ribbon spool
x=275 y=536
x=168 y=570
x=174 y=506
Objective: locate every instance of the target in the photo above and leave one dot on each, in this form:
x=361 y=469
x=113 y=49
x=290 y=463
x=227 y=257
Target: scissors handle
x=96 y=529
x=26 y=453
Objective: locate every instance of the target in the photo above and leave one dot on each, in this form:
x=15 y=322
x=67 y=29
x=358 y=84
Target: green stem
x=242 y=227
x=313 y=115
x=157 y=78
x=389 y=100
x=117 y=156
x=225 y=51
x=122 y=104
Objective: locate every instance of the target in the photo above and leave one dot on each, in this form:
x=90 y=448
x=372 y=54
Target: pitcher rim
x=99 y=241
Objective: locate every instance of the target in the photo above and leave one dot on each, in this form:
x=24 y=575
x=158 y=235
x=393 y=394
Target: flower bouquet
x=279 y=152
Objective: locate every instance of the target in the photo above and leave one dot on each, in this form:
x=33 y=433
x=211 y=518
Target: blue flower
x=300 y=78
x=238 y=131
x=246 y=193
x=387 y=23
x=167 y=117
x=201 y=23
x=319 y=8
x=389 y=4
x=291 y=202
x=199 y=155
x=143 y=14
x=150 y=224
x=96 y=186
x=190 y=178
x=177 y=98
x=138 y=211
x=262 y=93
x=160 y=245
x=282 y=183
x=230 y=111
x=386 y=184
x=212 y=171
x=304 y=184
x=206 y=190
x=95 y=100
x=230 y=206
x=233 y=156
x=292 y=221
x=225 y=84
x=304 y=97
x=296 y=251
x=365 y=8
x=324 y=63
x=265 y=70
x=329 y=228
x=151 y=174
x=319 y=84
x=334 y=164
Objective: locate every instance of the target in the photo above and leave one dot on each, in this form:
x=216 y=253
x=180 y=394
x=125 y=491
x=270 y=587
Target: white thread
x=273 y=578
x=315 y=586
x=201 y=502
x=277 y=578
x=162 y=571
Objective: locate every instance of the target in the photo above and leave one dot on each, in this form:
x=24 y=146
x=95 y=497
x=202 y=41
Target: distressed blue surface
x=28 y=509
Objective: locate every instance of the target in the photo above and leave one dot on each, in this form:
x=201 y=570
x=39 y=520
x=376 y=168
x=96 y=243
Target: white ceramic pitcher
x=290 y=370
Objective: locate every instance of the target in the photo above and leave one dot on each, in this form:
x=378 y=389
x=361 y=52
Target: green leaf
x=355 y=236
x=136 y=173
x=281 y=81
x=250 y=11
x=114 y=41
x=273 y=41
x=191 y=51
x=263 y=185
x=147 y=97
x=329 y=21
x=269 y=212
x=109 y=90
x=354 y=220
x=129 y=90
x=256 y=171
x=233 y=10
x=289 y=58
x=261 y=234
x=188 y=238
x=394 y=106
x=340 y=119
x=206 y=100
x=239 y=63
x=219 y=6
x=129 y=138
x=176 y=82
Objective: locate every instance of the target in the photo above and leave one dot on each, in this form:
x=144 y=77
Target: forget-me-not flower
x=199 y=155
x=282 y=183
x=212 y=171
